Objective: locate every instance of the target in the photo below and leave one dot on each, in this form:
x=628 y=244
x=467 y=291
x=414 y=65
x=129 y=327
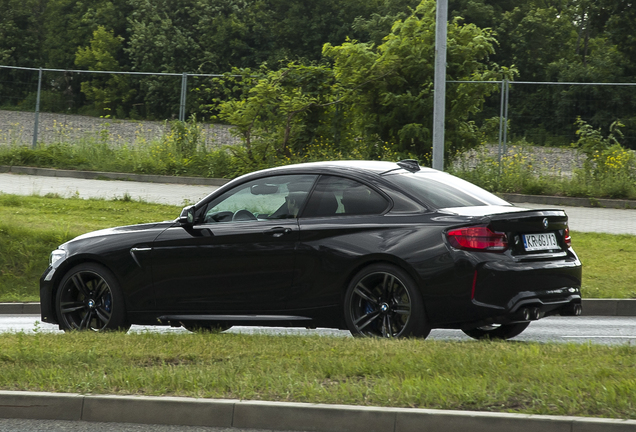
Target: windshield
x=442 y=190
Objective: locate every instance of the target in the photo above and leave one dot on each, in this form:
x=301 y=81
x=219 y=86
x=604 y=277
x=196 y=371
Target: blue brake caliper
x=368 y=308
x=107 y=303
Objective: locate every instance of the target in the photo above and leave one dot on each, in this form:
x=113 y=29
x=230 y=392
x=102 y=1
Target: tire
x=503 y=331
x=201 y=327
x=383 y=301
x=89 y=298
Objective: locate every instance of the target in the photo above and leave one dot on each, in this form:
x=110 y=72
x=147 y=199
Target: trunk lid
x=530 y=232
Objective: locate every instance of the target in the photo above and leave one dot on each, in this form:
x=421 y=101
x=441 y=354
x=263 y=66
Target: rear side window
x=338 y=196
x=443 y=190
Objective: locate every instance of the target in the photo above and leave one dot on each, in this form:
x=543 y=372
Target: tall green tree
x=70 y=24
x=565 y=42
x=280 y=112
x=21 y=32
x=616 y=18
x=372 y=97
x=111 y=94
x=389 y=89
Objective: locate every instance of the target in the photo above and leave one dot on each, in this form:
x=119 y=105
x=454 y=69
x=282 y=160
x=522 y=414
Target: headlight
x=56 y=257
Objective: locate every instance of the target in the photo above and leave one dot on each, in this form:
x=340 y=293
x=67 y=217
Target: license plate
x=537 y=242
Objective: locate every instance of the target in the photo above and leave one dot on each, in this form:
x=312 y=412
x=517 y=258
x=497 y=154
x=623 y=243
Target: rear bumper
x=512 y=291
x=531 y=309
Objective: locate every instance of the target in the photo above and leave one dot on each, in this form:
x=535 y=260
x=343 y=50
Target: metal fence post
x=505 y=131
x=37 y=111
x=184 y=90
x=439 y=95
x=501 y=120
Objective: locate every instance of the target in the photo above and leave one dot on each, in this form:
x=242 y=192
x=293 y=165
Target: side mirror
x=187 y=216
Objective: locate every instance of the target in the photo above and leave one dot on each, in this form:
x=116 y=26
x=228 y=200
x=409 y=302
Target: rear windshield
x=442 y=190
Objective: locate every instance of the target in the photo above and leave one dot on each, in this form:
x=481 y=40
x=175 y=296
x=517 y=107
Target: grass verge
x=554 y=379
x=31 y=227
x=608 y=264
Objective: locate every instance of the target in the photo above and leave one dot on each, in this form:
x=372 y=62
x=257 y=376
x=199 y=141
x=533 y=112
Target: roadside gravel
x=554 y=161
x=16 y=127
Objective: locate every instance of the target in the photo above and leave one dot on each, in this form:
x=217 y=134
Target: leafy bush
x=185 y=136
x=610 y=169
x=515 y=173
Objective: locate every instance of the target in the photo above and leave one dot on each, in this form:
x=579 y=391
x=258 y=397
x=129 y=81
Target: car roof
x=377 y=167
x=359 y=168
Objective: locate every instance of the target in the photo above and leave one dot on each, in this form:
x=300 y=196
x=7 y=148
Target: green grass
x=162 y=156
x=608 y=264
x=31 y=227
x=555 y=379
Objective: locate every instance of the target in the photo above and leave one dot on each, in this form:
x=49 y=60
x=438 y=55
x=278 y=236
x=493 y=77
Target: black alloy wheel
x=497 y=331
x=383 y=301
x=89 y=298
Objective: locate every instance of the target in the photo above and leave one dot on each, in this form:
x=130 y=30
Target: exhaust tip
x=535 y=314
x=578 y=310
x=525 y=313
x=572 y=310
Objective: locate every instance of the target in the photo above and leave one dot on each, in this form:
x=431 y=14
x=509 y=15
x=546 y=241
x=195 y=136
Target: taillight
x=478 y=238
x=567 y=238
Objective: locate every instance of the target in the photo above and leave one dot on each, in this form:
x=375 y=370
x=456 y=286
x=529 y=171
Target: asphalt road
x=22 y=425
x=597 y=330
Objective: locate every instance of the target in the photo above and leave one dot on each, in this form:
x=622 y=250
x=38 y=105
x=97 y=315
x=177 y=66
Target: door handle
x=278 y=231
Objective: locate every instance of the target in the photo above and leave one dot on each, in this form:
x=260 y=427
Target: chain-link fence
x=52 y=105
x=546 y=113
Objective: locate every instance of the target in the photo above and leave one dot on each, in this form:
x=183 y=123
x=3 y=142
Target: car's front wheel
x=496 y=331
x=89 y=298
x=383 y=301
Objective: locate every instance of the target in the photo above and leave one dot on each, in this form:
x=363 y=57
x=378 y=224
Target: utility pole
x=439 y=104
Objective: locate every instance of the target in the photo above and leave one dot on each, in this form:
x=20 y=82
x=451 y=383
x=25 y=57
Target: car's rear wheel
x=383 y=301
x=89 y=298
x=496 y=331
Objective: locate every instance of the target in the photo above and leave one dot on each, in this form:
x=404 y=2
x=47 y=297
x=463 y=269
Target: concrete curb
x=284 y=415
x=570 y=201
x=19 y=308
x=101 y=175
x=609 y=307
x=591 y=307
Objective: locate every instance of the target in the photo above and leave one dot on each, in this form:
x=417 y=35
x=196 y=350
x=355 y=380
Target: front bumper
x=47 y=306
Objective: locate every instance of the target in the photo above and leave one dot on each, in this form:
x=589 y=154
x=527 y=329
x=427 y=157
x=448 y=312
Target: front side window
x=339 y=196
x=278 y=197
